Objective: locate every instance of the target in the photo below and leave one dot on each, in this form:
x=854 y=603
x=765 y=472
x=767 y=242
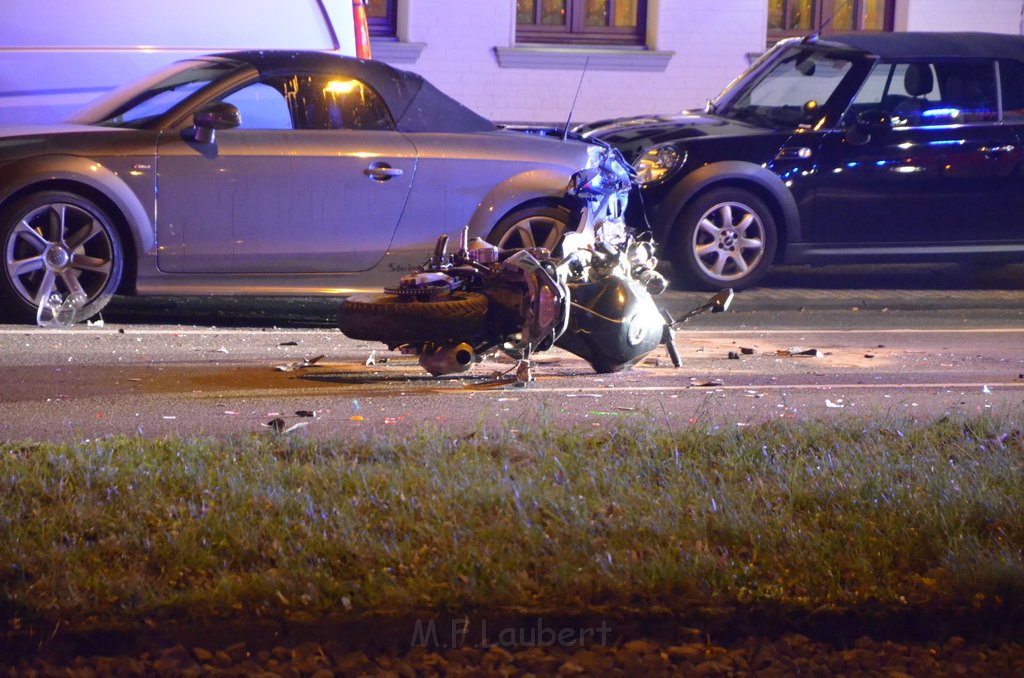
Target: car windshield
x=790 y=92
x=135 y=104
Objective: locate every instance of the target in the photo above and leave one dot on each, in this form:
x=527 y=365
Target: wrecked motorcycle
x=592 y=296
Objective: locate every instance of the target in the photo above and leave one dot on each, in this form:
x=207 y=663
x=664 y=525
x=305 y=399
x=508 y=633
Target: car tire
x=57 y=242
x=393 y=319
x=725 y=238
x=540 y=225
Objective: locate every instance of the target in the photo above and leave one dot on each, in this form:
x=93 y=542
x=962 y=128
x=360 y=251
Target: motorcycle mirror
x=721 y=301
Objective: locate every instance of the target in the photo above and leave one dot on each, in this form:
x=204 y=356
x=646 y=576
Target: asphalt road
x=914 y=342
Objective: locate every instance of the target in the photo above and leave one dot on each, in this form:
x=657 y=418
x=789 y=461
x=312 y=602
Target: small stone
x=202 y=655
x=641 y=647
x=570 y=668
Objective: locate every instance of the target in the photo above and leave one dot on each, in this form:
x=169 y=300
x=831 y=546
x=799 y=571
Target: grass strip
x=632 y=514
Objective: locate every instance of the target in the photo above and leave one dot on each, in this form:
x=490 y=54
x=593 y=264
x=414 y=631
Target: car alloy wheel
x=58 y=244
x=540 y=226
x=727 y=239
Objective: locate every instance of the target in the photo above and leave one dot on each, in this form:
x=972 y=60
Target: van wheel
x=57 y=243
x=725 y=238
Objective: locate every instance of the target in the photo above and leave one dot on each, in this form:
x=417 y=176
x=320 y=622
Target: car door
x=314 y=179
x=944 y=174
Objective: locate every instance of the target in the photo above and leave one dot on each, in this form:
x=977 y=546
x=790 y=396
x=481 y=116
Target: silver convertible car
x=263 y=173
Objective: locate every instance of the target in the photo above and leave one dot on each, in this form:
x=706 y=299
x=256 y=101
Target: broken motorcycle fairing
x=594 y=299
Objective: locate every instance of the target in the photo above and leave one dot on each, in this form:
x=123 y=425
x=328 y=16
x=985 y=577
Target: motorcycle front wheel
x=393 y=319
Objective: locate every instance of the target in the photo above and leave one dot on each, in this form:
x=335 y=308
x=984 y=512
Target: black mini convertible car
x=900 y=147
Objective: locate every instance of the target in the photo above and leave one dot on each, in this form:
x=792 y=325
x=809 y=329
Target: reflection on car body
x=902 y=147
x=261 y=173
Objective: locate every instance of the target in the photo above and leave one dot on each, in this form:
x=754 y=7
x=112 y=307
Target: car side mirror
x=868 y=124
x=212 y=117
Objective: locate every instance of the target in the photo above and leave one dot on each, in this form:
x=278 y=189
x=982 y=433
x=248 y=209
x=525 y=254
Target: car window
x=319 y=101
x=261 y=106
x=793 y=92
x=920 y=94
x=137 y=103
x=1011 y=83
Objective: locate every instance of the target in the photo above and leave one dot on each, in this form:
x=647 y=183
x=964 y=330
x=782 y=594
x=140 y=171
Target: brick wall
x=710 y=39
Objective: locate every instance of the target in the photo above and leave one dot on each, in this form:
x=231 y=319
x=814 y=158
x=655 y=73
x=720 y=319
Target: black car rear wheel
x=57 y=244
x=724 y=238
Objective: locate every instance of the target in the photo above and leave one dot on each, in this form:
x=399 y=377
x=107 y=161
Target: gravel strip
x=788 y=655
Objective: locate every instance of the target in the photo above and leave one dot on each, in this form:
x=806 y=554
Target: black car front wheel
x=57 y=245
x=724 y=238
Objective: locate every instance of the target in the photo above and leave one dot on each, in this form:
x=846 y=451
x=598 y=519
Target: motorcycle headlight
x=658 y=162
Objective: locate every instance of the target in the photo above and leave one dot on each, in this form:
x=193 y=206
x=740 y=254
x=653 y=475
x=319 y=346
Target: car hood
x=655 y=129
x=17 y=131
x=17 y=141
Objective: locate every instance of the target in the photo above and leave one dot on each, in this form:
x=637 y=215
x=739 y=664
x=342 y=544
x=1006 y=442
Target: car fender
x=733 y=172
x=48 y=169
x=518 y=189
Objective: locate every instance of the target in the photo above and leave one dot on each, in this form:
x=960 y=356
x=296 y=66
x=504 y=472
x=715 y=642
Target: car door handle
x=381 y=171
x=993 y=152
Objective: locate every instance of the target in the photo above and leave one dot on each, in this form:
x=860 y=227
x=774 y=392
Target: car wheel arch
x=536 y=187
x=80 y=174
x=744 y=175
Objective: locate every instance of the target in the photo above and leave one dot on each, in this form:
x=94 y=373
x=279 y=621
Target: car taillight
x=362 y=29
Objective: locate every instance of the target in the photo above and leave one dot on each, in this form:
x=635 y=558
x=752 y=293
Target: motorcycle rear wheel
x=393 y=319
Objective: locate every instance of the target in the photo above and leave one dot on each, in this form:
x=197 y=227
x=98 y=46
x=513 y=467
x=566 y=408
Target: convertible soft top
x=932 y=45
x=416 y=105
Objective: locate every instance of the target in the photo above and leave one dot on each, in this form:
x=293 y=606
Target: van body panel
x=56 y=56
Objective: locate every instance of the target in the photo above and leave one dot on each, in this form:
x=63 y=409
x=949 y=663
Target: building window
x=380 y=16
x=615 y=22
x=788 y=18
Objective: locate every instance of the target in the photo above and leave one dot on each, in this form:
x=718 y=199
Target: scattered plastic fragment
x=582 y=395
x=986 y=390
x=371 y=359
x=355 y=417
x=747 y=350
x=311 y=414
x=838 y=404
x=798 y=351
x=305 y=362
x=706 y=382
x=289 y=343
x=279 y=425
x=733 y=355
x=56 y=311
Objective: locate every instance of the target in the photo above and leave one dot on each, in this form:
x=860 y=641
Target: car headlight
x=658 y=162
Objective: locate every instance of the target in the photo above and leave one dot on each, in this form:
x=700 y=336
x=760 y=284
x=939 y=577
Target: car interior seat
x=918 y=83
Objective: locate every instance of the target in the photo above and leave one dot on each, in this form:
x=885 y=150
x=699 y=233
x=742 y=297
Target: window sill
x=394 y=51
x=574 y=58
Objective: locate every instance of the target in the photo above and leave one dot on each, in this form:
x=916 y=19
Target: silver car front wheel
x=57 y=245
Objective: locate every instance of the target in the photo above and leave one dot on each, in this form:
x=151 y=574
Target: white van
x=55 y=55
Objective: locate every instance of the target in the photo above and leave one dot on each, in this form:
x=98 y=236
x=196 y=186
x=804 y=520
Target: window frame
x=824 y=10
x=385 y=26
x=575 y=32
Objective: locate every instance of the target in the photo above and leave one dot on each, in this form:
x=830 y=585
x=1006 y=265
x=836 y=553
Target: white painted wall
x=993 y=16
x=710 y=40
